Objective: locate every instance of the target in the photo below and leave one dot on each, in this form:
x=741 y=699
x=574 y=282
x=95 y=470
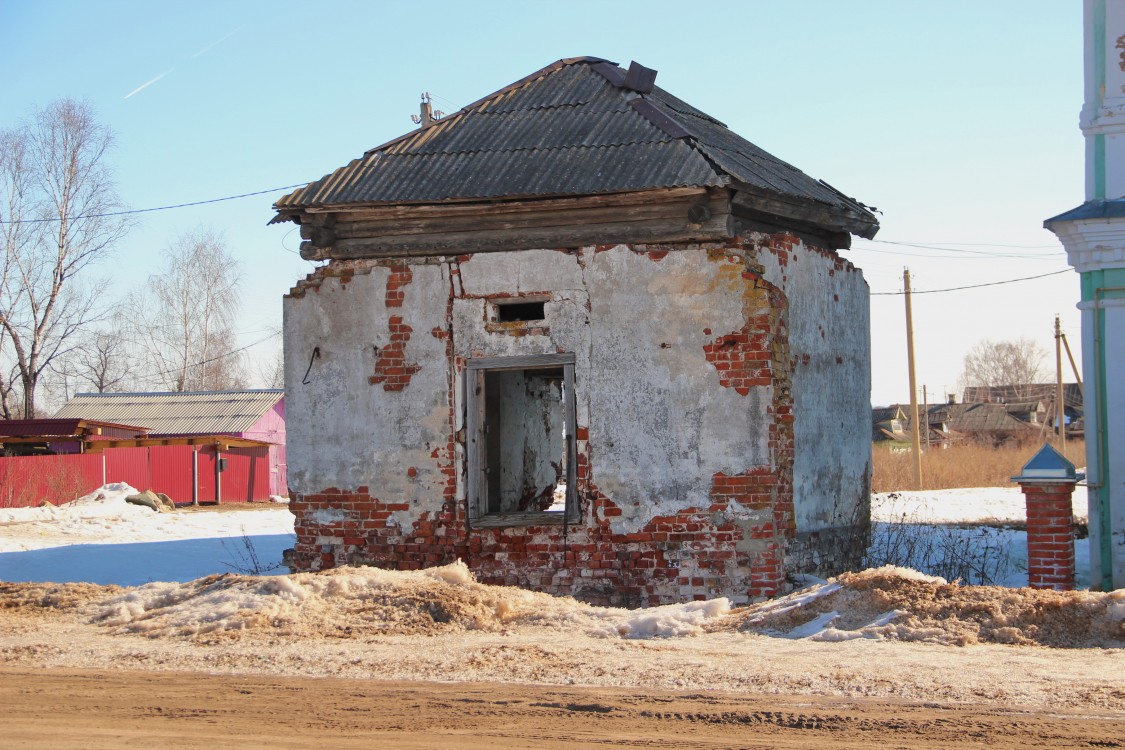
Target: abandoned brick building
x=584 y=337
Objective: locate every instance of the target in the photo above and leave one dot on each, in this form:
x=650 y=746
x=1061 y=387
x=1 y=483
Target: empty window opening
x=521 y=439
x=511 y=312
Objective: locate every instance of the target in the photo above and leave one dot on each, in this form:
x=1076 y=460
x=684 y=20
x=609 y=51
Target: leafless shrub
x=245 y=559
x=970 y=553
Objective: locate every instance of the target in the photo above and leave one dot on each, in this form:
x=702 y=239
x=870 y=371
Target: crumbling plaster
x=661 y=427
x=830 y=343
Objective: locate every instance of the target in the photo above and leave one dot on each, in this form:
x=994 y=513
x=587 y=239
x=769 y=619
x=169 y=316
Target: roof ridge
x=515 y=85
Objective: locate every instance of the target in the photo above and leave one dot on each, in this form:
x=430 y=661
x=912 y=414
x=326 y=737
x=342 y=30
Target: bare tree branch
x=189 y=317
x=52 y=167
x=1010 y=363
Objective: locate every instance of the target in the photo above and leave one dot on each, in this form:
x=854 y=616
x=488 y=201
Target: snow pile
x=353 y=602
x=106 y=502
x=887 y=603
x=897 y=604
x=104 y=519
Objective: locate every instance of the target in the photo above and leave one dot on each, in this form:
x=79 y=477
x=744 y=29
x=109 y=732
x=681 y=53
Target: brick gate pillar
x=1047 y=481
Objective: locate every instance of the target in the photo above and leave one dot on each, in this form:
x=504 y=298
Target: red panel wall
x=170 y=471
x=31 y=480
x=129 y=465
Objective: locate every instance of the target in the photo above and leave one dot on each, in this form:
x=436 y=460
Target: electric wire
x=155 y=376
x=971 y=286
x=149 y=210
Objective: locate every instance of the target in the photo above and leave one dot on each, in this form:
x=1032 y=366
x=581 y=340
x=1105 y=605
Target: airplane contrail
x=145 y=85
x=216 y=43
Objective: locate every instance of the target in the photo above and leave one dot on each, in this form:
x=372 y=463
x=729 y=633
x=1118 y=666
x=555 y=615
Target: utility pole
x=1060 y=403
x=1073 y=366
x=914 y=436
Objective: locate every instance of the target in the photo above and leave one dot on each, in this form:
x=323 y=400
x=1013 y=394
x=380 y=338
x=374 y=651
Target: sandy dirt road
x=47 y=708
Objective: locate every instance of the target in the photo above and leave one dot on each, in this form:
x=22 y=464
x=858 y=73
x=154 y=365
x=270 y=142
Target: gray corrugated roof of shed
x=191 y=413
x=567 y=129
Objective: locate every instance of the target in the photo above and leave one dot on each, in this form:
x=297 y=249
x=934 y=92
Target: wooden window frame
x=475 y=370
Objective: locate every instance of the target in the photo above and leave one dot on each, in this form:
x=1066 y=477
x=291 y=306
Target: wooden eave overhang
x=223 y=442
x=648 y=216
x=96 y=446
x=665 y=215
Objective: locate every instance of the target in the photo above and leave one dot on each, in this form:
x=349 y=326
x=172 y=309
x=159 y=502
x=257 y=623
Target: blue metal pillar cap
x=1049 y=466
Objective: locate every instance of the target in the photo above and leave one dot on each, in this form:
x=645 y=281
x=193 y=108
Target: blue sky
x=958 y=120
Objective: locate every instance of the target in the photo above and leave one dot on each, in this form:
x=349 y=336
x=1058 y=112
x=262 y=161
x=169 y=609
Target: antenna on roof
x=426 y=113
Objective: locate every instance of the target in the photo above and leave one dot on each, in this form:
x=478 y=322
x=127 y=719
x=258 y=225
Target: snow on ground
x=100 y=538
x=966 y=505
x=878 y=632
x=932 y=530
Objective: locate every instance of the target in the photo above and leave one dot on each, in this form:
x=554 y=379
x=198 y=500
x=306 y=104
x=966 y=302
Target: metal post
x=914 y=435
x=218 y=475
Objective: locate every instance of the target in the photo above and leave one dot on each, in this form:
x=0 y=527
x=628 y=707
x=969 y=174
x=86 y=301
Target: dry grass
x=967 y=465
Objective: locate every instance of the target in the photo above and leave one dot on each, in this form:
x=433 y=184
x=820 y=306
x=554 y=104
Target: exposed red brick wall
x=391 y=367
x=399 y=277
x=696 y=553
x=1050 y=536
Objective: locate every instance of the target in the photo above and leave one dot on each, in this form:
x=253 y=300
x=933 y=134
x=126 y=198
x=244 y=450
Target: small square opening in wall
x=520 y=311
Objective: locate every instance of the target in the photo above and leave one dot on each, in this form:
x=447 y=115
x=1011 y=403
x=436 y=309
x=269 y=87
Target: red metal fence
x=183 y=472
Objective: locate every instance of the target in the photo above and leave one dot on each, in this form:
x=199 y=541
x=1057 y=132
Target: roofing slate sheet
x=564 y=130
x=198 y=413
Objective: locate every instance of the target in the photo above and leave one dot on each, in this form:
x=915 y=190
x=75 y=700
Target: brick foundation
x=1050 y=535
x=726 y=549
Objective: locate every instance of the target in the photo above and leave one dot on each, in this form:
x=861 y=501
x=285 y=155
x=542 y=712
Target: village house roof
x=962 y=419
x=191 y=413
x=580 y=126
x=1023 y=392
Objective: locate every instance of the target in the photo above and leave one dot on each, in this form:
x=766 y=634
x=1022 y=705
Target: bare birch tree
x=1012 y=363
x=55 y=192
x=188 y=329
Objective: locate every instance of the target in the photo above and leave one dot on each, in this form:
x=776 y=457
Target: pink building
x=255 y=414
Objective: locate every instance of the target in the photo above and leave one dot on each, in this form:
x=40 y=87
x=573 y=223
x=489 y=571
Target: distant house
x=889 y=423
x=1022 y=394
x=951 y=423
x=257 y=415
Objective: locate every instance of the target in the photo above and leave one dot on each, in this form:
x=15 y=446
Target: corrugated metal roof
x=564 y=130
x=192 y=413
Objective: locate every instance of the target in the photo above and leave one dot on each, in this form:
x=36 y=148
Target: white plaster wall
x=660 y=424
x=345 y=432
x=831 y=400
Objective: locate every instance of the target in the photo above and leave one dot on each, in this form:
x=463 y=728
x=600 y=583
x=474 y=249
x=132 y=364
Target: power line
x=156 y=375
x=972 y=286
x=147 y=210
x=975 y=253
x=975 y=256
x=925 y=243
